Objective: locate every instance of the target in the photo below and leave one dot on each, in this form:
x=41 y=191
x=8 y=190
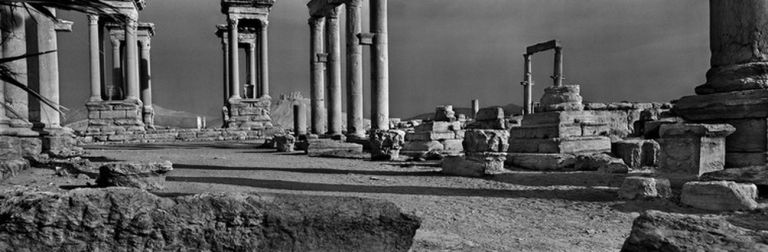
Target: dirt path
x=518 y=211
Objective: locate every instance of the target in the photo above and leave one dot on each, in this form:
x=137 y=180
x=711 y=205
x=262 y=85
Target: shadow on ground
x=582 y=194
x=309 y=170
x=257 y=146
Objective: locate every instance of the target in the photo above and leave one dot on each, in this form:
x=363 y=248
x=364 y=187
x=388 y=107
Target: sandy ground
x=518 y=211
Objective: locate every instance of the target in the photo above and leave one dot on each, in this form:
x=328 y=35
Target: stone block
x=719 y=196
x=490 y=114
x=722 y=106
x=757 y=175
x=546 y=131
x=475 y=166
x=11 y=167
x=285 y=143
x=692 y=149
x=121 y=137
x=452 y=145
x=742 y=159
x=561 y=98
x=129 y=122
x=541 y=161
x=695 y=130
x=651 y=128
x=477 y=140
x=600 y=162
x=420 y=148
x=561 y=145
x=10 y=148
x=438 y=126
x=386 y=144
x=316 y=147
x=100 y=122
x=145 y=176
x=644 y=188
x=431 y=136
x=30 y=146
x=637 y=152
x=445 y=114
x=112 y=114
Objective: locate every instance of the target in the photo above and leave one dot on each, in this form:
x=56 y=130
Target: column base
x=249 y=114
x=740 y=77
x=110 y=117
x=148 y=116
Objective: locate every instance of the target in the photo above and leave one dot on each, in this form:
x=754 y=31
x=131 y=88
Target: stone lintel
x=540 y=47
x=323 y=8
x=322 y=58
x=127 y=8
x=63 y=26
x=366 y=38
x=246 y=7
x=695 y=130
x=117 y=31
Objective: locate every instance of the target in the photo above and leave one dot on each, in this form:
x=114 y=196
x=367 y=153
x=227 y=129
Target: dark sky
x=441 y=51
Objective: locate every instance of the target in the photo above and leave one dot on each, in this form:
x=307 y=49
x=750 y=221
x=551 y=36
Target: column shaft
x=146 y=84
x=234 y=61
x=475 y=107
x=131 y=60
x=95 y=57
x=354 y=70
x=527 y=84
x=117 y=70
x=225 y=73
x=317 y=77
x=558 y=75
x=379 y=66
x=333 y=42
x=252 y=70
x=299 y=119
x=264 y=59
x=48 y=70
x=14 y=44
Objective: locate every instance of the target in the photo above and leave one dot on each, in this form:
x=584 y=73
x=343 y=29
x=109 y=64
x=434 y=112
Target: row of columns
x=527 y=83
x=257 y=64
x=325 y=65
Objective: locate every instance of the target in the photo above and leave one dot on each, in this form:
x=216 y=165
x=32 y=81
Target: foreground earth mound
x=127 y=219
x=659 y=231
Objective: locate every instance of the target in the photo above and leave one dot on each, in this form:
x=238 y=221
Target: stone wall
x=249 y=114
x=175 y=135
x=108 y=117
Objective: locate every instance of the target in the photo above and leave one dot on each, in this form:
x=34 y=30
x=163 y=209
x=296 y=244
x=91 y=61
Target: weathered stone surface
x=600 y=162
x=541 y=161
x=386 y=144
x=285 y=143
x=11 y=167
x=30 y=146
x=691 y=154
x=721 y=106
x=127 y=219
x=659 y=231
x=757 y=175
x=475 y=165
x=561 y=145
x=62 y=146
x=695 y=130
x=434 y=136
x=489 y=118
x=637 y=153
x=316 y=147
x=438 y=126
x=651 y=128
x=562 y=98
x=146 y=176
x=644 y=188
x=477 y=140
x=445 y=114
x=720 y=195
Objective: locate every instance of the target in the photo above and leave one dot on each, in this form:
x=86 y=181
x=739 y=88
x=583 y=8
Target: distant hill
x=509 y=110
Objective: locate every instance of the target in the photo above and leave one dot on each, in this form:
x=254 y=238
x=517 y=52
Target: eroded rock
x=720 y=195
x=645 y=188
x=386 y=144
x=601 y=162
x=285 y=143
x=146 y=176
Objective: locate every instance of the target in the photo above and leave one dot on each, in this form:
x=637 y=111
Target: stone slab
x=757 y=175
x=476 y=140
x=316 y=147
x=691 y=156
x=560 y=145
x=719 y=106
x=719 y=195
x=644 y=188
x=433 y=136
x=541 y=161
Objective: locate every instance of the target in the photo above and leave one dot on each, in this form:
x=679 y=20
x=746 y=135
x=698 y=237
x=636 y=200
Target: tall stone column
x=355 y=126
x=146 y=84
x=299 y=119
x=252 y=70
x=48 y=71
x=333 y=43
x=739 y=45
x=264 y=59
x=225 y=51
x=317 y=77
x=95 y=57
x=527 y=86
x=14 y=44
x=234 y=61
x=475 y=107
x=379 y=66
x=558 y=75
x=117 y=68
x=131 y=59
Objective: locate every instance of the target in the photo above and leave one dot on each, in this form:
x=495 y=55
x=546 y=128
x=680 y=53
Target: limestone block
x=721 y=106
x=600 y=162
x=316 y=147
x=422 y=147
x=695 y=130
x=477 y=140
x=541 y=161
x=452 y=145
x=438 y=126
x=751 y=135
x=430 y=136
x=720 y=195
x=475 y=166
x=128 y=122
x=490 y=113
x=285 y=143
x=563 y=98
x=30 y=146
x=546 y=131
x=492 y=162
x=10 y=148
x=445 y=114
x=11 y=167
x=757 y=175
x=644 y=188
x=637 y=152
x=561 y=145
x=651 y=128
x=100 y=122
x=693 y=149
x=112 y=114
x=145 y=176
x=386 y=144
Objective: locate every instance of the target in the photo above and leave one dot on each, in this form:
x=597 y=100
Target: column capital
x=354 y=3
x=145 y=44
x=93 y=19
x=334 y=13
x=233 y=21
x=115 y=41
x=264 y=23
x=252 y=45
x=316 y=21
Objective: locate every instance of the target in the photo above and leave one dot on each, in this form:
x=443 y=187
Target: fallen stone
x=693 y=149
x=659 y=231
x=757 y=175
x=542 y=161
x=698 y=130
x=145 y=176
x=445 y=114
x=386 y=144
x=637 y=153
x=285 y=143
x=600 y=162
x=482 y=140
x=12 y=167
x=317 y=147
x=128 y=219
x=644 y=188
x=720 y=196
x=489 y=118
x=474 y=166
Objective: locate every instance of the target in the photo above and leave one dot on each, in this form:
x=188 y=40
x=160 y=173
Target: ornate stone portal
x=735 y=92
x=247 y=106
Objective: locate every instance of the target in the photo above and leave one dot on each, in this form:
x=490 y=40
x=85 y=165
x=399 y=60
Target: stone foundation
x=108 y=117
x=249 y=114
x=175 y=135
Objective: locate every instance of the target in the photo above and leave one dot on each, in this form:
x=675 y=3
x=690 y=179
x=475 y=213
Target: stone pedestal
x=560 y=98
x=249 y=114
x=386 y=144
x=489 y=118
x=693 y=149
x=285 y=143
x=637 y=153
x=109 y=117
x=439 y=137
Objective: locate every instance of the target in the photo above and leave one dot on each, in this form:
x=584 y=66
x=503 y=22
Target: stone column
x=225 y=51
x=234 y=61
x=333 y=42
x=355 y=126
x=48 y=70
x=14 y=44
x=299 y=119
x=527 y=86
x=264 y=59
x=558 y=75
x=95 y=57
x=317 y=78
x=132 y=60
x=738 y=36
x=146 y=84
x=117 y=68
x=251 y=66
x=379 y=66
x=475 y=107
